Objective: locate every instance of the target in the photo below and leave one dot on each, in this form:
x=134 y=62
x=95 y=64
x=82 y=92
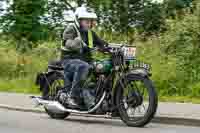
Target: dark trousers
x=75 y=70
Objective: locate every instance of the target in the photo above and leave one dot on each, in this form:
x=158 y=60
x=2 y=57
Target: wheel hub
x=135 y=99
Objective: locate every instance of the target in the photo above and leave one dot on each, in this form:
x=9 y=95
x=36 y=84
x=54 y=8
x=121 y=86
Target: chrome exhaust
x=56 y=107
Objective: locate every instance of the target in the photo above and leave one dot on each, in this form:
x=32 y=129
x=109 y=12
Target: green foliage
x=31 y=21
x=182 y=41
x=19 y=85
x=18 y=70
x=174 y=8
x=123 y=16
x=153 y=18
x=22 y=21
x=175 y=57
x=55 y=10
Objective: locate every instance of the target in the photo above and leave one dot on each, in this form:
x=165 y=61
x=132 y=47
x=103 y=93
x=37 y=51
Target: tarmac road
x=24 y=122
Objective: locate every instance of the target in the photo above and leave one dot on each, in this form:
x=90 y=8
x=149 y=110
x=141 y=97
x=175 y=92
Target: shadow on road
x=95 y=121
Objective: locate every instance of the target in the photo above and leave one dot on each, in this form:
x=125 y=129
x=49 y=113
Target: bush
x=175 y=57
x=18 y=70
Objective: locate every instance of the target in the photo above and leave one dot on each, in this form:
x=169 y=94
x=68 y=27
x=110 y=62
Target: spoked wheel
x=55 y=83
x=136 y=101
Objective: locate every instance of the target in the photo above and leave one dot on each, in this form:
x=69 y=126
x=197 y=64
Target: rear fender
x=43 y=79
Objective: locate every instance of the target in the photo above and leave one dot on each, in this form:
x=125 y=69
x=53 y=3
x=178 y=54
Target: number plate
x=140 y=64
x=129 y=52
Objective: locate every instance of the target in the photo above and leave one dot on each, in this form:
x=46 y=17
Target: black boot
x=73 y=103
x=74 y=96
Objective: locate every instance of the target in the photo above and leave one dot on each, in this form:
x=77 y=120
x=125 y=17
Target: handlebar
x=106 y=50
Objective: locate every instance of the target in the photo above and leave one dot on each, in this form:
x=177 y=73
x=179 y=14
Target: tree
x=22 y=20
x=31 y=19
x=55 y=12
x=154 y=18
x=123 y=15
x=175 y=7
x=117 y=15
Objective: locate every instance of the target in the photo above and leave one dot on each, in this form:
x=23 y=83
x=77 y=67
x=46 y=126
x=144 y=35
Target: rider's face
x=87 y=23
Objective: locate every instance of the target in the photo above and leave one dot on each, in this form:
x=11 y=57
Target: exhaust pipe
x=56 y=107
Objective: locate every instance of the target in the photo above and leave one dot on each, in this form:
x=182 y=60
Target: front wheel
x=136 y=99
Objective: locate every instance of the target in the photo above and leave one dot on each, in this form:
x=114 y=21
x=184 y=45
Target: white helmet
x=83 y=13
x=87 y=15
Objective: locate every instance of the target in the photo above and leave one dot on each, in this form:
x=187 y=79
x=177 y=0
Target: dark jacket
x=74 y=43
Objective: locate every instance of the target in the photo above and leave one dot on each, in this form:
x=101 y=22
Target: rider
x=78 y=39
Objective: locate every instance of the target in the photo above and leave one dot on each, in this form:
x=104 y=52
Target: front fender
x=140 y=71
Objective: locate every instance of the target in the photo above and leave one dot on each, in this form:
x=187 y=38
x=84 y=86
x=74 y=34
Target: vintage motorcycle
x=121 y=87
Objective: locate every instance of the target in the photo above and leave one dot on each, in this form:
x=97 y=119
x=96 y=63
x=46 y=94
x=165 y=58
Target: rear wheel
x=57 y=115
x=137 y=94
x=54 y=84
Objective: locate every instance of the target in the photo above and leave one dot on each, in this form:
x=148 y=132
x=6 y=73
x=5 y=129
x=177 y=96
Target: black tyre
x=57 y=115
x=127 y=105
x=54 y=83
